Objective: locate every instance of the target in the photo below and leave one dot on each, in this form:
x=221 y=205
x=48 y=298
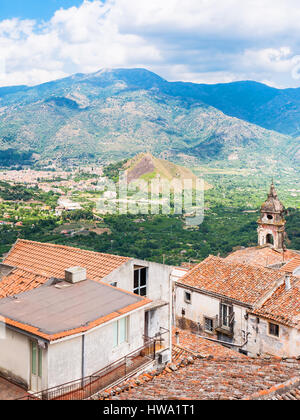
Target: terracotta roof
x=214 y=373
x=244 y=283
x=292 y=265
x=284 y=305
x=260 y=256
x=18 y=281
x=51 y=260
x=286 y=391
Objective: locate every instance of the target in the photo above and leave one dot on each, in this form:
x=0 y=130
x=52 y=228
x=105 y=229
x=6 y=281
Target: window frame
x=117 y=332
x=229 y=311
x=188 y=301
x=207 y=318
x=277 y=327
x=137 y=289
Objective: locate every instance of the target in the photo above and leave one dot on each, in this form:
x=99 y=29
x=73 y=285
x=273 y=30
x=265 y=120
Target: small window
x=114 y=284
x=120 y=331
x=187 y=297
x=208 y=324
x=270 y=217
x=140 y=281
x=274 y=329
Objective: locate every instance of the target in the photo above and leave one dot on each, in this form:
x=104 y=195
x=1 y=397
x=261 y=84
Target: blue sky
x=203 y=41
x=33 y=9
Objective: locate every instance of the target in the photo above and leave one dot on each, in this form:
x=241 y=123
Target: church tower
x=271 y=225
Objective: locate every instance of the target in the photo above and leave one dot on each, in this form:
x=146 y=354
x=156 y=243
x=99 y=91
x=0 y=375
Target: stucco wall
x=261 y=342
x=202 y=306
x=65 y=357
x=15 y=357
x=158 y=287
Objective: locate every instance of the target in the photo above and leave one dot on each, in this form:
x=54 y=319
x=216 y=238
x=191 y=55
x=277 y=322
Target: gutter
x=214 y=295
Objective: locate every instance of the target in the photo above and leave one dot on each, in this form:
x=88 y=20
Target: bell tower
x=271 y=225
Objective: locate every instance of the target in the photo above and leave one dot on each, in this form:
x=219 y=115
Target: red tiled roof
x=216 y=373
x=291 y=265
x=52 y=260
x=284 y=305
x=244 y=283
x=19 y=281
x=261 y=256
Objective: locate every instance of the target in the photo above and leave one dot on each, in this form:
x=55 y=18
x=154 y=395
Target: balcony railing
x=84 y=388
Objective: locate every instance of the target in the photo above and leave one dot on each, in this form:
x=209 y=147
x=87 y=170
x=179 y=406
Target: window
x=36 y=359
x=140 y=281
x=270 y=239
x=226 y=315
x=120 y=331
x=187 y=297
x=274 y=329
x=208 y=324
x=114 y=284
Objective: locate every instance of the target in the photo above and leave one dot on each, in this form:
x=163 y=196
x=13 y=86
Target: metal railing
x=84 y=388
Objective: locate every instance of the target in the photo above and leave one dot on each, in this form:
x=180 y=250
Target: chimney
x=75 y=275
x=288 y=283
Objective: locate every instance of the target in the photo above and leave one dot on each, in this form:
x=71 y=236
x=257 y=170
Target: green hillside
x=115 y=114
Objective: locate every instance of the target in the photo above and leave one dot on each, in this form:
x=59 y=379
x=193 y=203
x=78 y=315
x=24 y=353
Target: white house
x=64 y=331
x=31 y=267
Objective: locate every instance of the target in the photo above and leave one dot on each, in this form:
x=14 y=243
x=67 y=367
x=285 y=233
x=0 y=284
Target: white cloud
x=198 y=40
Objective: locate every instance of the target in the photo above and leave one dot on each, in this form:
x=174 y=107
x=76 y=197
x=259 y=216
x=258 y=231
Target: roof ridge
x=67 y=247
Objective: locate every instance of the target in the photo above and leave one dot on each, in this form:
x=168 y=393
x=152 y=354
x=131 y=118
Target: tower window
x=270 y=217
x=270 y=239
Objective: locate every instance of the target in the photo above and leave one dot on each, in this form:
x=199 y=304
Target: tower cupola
x=271 y=225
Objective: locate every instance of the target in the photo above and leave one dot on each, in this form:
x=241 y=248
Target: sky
x=202 y=41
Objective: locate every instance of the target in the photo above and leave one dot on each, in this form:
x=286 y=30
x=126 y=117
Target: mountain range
x=116 y=114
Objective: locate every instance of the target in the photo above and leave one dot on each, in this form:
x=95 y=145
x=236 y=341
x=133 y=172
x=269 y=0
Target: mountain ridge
x=118 y=113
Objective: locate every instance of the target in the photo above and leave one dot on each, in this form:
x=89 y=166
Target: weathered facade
x=249 y=300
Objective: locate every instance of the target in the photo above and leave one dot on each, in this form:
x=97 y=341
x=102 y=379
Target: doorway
x=36 y=367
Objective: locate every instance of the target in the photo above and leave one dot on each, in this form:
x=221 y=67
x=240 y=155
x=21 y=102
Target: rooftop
x=284 y=305
x=215 y=373
x=62 y=309
x=15 y=280
x=261 y=256
x=51 y=260
x=241 y=282
x=292 y=265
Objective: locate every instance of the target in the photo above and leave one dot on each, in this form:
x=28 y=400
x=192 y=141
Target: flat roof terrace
x=62 y=309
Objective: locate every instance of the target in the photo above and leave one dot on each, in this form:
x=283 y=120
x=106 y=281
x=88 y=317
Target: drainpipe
x=82 y=357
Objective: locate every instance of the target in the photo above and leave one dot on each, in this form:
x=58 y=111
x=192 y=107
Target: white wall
x=15 y=357
x=65 y=357
x=158 y=287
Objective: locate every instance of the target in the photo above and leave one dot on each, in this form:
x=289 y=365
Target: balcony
x=112 y=374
